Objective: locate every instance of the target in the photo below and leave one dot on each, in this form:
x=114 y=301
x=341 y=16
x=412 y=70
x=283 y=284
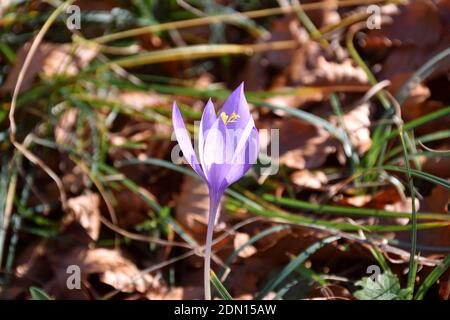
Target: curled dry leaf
x=309 y=179
x=85 y=210
x=117 y=271
x=110 y=265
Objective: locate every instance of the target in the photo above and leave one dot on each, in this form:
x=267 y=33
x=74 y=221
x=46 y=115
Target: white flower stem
x=213 y=207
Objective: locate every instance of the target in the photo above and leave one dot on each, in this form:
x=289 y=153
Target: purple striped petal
x=214 y=154
x=207 y=121
x=184 y=140
x=244 y=159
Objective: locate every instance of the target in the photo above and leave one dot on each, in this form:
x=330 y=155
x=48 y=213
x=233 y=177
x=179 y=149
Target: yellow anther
x=229 y=119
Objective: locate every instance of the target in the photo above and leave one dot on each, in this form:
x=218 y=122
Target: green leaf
x=38 y=294
x=385 y=287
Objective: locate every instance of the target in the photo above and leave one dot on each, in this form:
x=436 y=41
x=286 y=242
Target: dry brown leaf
x=357 y=123
x=420 y=102
x=50 y=59
x=387 y=199
x=240 y=239
x=67 y=59
x=140 y=100
x=85 y=210
x=303 y=145
x=416 y=23
x=117 y=271
x=282 y=29
x=356 y=201
x=110 y=265
x=438 y=166
x=438 y=201
x=416 y=34
x=192 y=207
x=418 y=92
x=325 y=72
x=65 y=126
x=130 y=208
x=33 y=69
x=309 y=179
x=313 y=65
x=295 y=101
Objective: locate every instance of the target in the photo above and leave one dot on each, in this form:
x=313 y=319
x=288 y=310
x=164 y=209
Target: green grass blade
x=432 y=278
x=343 y=210
x=39 y=294
x=221 y=290
x=420 y=174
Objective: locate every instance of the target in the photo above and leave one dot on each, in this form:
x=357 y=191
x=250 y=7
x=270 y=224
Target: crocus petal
x=243 y=161
x=214 y=154
x=184 y=140
x=227 y=142
x=236 y=103
x=208 y=118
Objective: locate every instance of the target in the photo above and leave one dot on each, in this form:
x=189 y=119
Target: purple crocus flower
x=227 y=148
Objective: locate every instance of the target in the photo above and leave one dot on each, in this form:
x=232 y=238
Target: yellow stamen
x=229 y=119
